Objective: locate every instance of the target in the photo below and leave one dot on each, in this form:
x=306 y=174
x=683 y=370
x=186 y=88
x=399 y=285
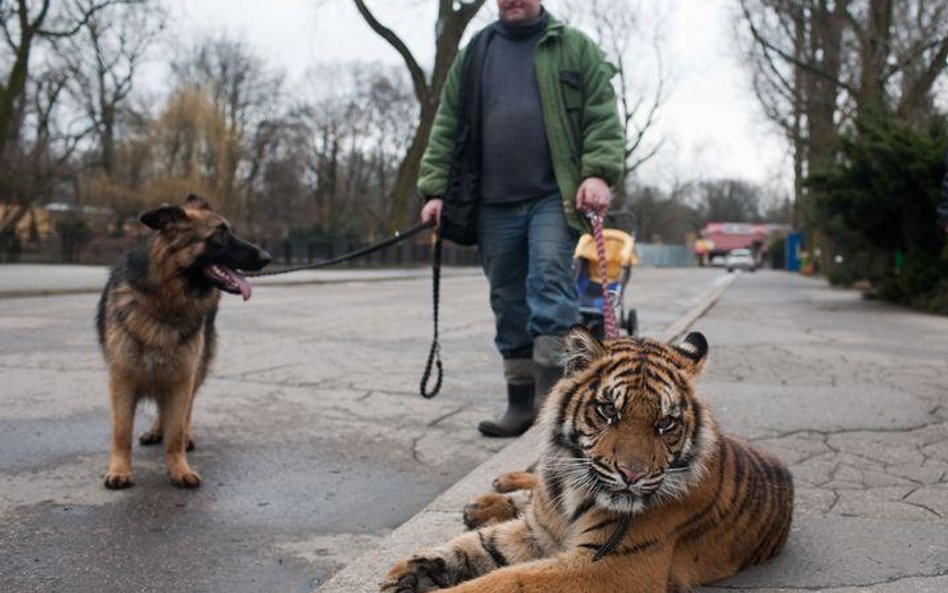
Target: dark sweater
x=515 y=156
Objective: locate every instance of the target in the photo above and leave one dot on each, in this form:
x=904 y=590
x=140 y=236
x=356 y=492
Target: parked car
x=740 y=259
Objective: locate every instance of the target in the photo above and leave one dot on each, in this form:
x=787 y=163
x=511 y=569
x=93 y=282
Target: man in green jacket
x=526 y=139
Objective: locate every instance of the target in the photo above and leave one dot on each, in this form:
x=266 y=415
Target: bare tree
x=620 y=28
x=360 y=131
x=453 y=19
x=815 y=64
x=390 y=109
x=245 y=94
x=729 y=200
x=103 y=60
x=920 y=44
x=663 y=217
x=24 y=26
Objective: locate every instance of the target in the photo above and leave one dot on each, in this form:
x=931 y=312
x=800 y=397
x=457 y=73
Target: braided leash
x=608 y=306
x=434 y=355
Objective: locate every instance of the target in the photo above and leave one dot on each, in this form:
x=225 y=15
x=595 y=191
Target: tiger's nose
x=630 y=475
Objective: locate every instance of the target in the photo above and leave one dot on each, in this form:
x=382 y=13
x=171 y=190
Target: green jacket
x=579 y=113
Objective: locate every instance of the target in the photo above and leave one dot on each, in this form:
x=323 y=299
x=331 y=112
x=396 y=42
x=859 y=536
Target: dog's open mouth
x=228 y=280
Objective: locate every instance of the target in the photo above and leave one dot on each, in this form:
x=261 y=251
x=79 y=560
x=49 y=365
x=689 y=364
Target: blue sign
x=792 y=247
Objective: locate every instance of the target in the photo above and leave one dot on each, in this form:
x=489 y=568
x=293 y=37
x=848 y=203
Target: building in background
x=716 y=239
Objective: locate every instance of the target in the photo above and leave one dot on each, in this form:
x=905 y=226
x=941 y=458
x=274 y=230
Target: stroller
x=620 y=257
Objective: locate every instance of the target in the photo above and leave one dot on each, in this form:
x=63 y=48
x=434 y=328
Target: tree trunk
x=875 y=46
x=12 y=90
x=453 y=18
x=406 y=181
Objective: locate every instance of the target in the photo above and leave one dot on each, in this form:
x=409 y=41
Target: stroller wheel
x=632 y=323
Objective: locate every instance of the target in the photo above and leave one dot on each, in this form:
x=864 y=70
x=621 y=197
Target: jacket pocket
x=571 y=83
x=572 y=88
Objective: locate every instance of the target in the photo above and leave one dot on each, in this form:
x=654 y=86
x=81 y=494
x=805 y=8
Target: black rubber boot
x=545 y=377
x=518 y=417
x=547 y=366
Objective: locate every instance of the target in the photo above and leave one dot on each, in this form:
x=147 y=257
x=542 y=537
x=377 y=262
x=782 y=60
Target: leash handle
x=596 y=218
x=434 y=355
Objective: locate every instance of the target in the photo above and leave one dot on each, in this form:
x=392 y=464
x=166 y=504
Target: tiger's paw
x=417 y=574
x=513 y=481
x=488 y=509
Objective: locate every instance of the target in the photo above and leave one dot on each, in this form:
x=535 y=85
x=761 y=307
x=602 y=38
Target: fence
x=101 y=250
x=413 y=252
x=665 y=256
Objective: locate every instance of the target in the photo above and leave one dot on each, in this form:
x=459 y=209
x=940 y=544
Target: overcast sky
x=711 y=124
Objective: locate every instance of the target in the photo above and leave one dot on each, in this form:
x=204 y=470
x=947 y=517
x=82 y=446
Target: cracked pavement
x=311 y=437
x=853 y=396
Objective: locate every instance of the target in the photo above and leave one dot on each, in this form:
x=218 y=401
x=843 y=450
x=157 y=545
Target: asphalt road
x=312 y=439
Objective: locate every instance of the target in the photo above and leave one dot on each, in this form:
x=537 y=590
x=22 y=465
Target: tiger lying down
x=636 y=490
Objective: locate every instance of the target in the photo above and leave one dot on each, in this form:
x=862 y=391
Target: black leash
x=434 y=355
x=613 y=542
x=398 y=237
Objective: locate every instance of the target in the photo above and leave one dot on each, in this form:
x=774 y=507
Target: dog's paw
x=188 y=480
x=417 y=574
x=513 y=481
x=118 y=481
x=488 y=509
x=147 y=439
x=150 y=438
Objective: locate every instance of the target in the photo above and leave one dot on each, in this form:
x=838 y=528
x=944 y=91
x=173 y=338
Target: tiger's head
x=626 y=426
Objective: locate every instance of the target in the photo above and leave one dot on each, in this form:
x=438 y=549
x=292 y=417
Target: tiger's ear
x=580 y=349
x=695 y=349
x=163 y=217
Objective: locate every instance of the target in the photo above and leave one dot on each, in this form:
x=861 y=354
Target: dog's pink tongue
x=243 y=285
x=238 y=279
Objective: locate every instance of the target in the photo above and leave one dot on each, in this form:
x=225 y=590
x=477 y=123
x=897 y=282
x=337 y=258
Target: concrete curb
x=677 y=329
x=439 y=521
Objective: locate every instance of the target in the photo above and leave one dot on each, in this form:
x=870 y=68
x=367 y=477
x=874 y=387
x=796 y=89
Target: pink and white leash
x=608 y=307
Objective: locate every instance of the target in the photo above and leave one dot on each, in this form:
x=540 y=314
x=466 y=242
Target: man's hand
x=432 y=211
x=593 y=195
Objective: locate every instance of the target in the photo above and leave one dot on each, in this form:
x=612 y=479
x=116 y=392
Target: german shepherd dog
x=156 y=327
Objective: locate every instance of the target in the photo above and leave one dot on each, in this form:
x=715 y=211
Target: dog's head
x=203 y=247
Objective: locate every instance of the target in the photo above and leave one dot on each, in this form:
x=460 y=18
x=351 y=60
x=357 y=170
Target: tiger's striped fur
x=636 y=490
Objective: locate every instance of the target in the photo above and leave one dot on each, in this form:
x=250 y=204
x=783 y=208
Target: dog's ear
x=163 y=217
x=196 y=202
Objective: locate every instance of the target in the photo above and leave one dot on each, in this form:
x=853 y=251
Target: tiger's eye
x=607 y=411
x=666 y=424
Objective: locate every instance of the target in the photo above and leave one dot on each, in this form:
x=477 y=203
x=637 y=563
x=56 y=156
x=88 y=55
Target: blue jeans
x=526 y=250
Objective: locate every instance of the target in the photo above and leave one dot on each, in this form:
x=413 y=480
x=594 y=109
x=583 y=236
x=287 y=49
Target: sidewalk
x=851 y=394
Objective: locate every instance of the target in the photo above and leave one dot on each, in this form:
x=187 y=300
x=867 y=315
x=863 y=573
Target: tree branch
x=86 y=14
x=763 y=42
x=422 y=90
